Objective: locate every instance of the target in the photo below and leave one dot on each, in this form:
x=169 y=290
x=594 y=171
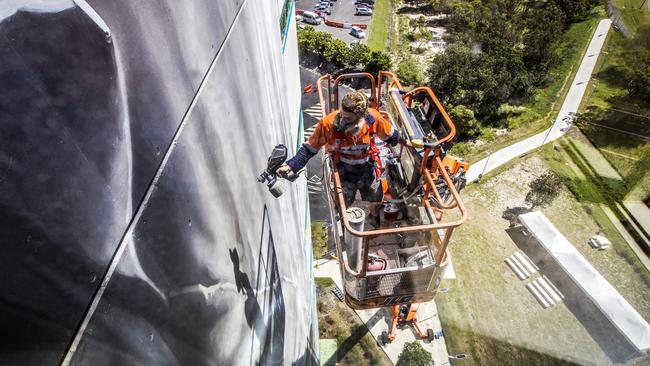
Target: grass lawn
x=355 y=344
x=607 y=99
x=632 y=16
x=545 y=104
x=379 y=26
x=319 y=238
x=489 y=314
x=629 y=155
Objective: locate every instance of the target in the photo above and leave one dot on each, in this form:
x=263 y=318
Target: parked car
x=356 y=2
x=366 y=5
x=357 y=32
x=311 y=18
x=324 y=9
x=363 y=11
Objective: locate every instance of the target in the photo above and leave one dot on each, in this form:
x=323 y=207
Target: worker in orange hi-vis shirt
x=349 y=135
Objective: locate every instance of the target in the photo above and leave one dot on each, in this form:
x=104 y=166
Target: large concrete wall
x=132 y=228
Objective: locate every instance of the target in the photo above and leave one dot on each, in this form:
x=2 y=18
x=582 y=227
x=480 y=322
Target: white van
x=311 y=18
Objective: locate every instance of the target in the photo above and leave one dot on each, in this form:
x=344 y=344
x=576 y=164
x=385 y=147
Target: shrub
x=488 y=134
x=464 y=120
x=409 y=72
x=377 y=60
x=414 y=355
x=358 y=55
x=461 y=148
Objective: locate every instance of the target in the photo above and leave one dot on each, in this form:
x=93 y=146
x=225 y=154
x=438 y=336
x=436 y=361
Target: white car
x=357 y=32
x=323 y=8
x=363 y=11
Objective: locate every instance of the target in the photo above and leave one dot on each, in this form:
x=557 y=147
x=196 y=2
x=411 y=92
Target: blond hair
x=355 y=102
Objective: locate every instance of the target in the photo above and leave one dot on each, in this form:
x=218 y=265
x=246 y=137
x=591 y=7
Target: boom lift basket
x=403 y=260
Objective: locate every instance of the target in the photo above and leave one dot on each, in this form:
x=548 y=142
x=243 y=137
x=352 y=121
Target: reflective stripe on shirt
x=354 y=161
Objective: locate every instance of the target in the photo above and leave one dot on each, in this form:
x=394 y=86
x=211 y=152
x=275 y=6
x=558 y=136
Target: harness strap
x=373 y=149
x=374 y=153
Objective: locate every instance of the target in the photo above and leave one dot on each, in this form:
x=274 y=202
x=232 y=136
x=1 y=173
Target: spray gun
x=270 y=177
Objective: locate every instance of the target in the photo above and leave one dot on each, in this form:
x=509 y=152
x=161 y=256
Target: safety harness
x=373 y=150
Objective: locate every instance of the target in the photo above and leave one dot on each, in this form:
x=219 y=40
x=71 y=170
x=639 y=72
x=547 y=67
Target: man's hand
x=283 y=170
x=406 y=143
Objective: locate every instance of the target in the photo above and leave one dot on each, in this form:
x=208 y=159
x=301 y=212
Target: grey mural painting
x=132 y=229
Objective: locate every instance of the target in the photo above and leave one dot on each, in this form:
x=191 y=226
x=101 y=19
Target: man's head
x=353 y=107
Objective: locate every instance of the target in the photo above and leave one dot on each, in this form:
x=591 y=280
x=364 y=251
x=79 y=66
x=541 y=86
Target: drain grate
x=337 y=292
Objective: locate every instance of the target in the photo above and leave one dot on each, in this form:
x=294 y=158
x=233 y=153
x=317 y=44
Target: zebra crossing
x=308 y=132
x=521 y=265
x=545 y=292
x=542 y=289
x=314 y=111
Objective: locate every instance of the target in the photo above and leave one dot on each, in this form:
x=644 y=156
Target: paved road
x=559 y=127
x=342 y=11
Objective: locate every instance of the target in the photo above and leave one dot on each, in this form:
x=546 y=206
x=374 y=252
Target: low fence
x=616 y=19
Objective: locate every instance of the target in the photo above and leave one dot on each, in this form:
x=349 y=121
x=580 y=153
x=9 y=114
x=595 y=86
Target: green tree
x=306 y=41
x=377 y=60
x=464 y=120
x=414 y=355
x=543 y=190
x=544 y=26
x=409 y=72
x=481 y=81
x=359 y=54
x=337 y=52
x=576 y=10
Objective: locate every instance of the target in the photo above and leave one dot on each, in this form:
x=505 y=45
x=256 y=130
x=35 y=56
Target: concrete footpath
x=641 y=214
x=378 y=320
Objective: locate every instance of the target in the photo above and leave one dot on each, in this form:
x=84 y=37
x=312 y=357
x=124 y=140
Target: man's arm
x=305 y=152
x=301 y=158
x=390 y=134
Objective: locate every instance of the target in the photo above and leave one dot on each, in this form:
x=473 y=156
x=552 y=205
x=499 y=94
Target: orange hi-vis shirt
x=352 y=149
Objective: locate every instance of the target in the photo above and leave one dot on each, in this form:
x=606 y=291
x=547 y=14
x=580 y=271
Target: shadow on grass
x=612 y=140
x=599 y=327
x=608 y=190
x=613 y=75
x=511 y=214
x=627 y=119
x=492 y=351
x=358 y=331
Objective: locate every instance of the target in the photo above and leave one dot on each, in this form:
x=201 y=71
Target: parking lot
x=342 y=11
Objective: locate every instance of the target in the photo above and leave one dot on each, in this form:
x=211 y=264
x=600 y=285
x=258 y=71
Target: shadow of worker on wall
x=267 y=318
